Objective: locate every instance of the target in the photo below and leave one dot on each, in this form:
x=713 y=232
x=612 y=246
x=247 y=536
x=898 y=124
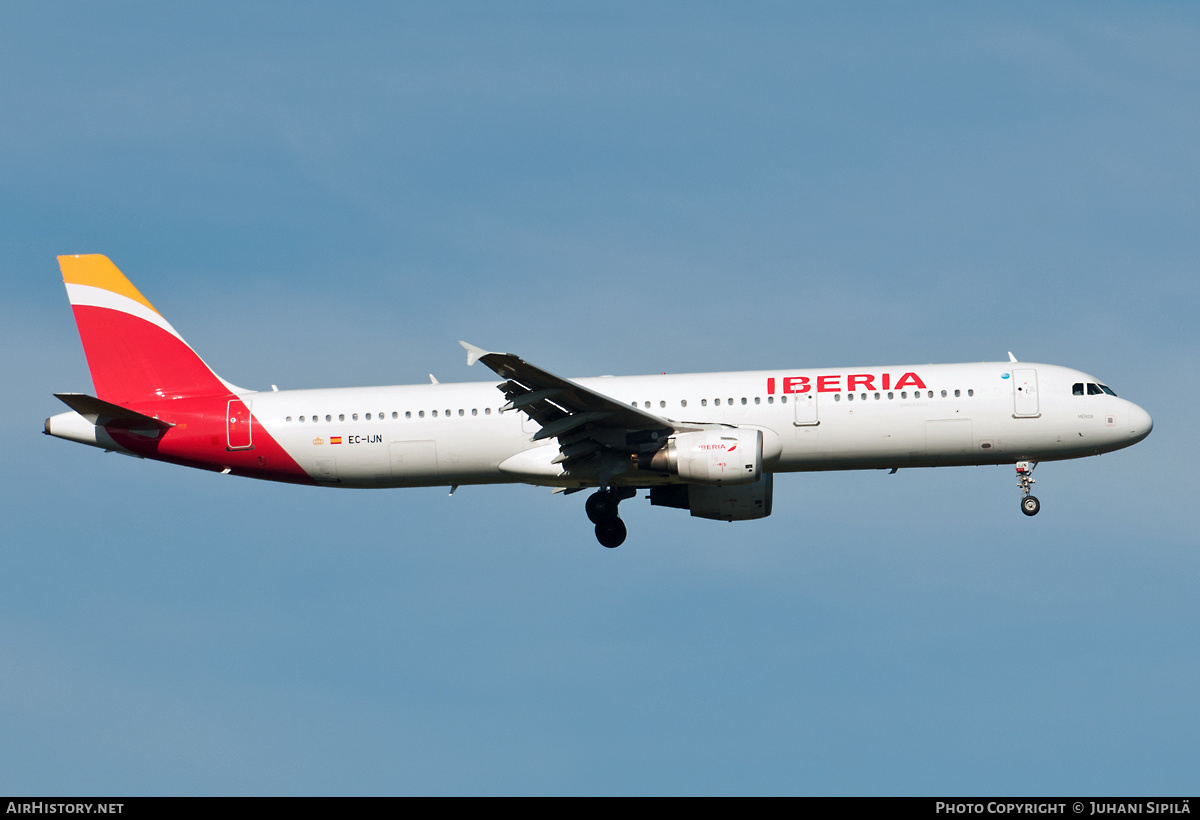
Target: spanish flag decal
x=335 y=439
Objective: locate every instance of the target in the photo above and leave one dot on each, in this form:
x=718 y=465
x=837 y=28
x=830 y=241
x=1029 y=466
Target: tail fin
x=133 y=352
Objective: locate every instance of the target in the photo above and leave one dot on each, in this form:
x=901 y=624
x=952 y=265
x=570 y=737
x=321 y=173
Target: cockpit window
x=1093 y=389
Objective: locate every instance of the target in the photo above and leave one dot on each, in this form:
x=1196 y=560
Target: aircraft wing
x=582 y=419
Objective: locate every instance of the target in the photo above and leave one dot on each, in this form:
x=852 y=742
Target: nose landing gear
x=1029 y=504
x=601 y=508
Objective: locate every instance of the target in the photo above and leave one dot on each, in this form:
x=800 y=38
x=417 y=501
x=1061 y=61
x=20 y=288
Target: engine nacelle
x=738 y=502
x=733 y=456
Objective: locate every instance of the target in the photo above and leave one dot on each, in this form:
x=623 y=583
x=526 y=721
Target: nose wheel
x=601 y=508
x=1029 y=504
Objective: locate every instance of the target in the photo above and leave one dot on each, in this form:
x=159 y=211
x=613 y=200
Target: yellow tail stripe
x=97 y=271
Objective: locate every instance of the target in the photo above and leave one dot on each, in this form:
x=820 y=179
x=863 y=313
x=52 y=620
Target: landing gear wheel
x=1025 y=481
x=611 y=533
x=601 y=507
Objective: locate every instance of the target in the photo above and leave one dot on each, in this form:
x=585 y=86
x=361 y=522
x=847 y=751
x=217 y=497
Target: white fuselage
x=709 y=443
x=822 y=419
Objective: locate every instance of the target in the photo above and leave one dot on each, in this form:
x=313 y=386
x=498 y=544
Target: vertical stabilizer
x=133 y=352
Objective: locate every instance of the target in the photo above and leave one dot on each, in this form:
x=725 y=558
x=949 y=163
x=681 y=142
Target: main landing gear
x=1029 y=504
x=601 y=510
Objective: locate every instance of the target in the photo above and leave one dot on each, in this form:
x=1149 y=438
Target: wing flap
x=526 y=381
x=584 y=421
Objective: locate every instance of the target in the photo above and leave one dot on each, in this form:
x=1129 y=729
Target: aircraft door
x=325 y=469
x=1025 y=393
x=528 y=425
x=414 y=460
x=806 y=409
x=238 y=435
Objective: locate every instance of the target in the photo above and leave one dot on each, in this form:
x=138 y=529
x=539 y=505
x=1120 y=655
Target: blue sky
x=320 y=196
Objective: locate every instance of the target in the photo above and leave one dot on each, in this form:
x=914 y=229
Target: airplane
x=709 y=443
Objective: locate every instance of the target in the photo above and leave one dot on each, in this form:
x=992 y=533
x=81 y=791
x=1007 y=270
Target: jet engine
x=724 y=456
x=738 y=502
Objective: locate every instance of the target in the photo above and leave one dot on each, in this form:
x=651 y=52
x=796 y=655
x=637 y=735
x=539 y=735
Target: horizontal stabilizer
x=105 y=414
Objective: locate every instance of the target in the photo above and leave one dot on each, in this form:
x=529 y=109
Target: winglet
x=1011 y=357
x=474 y=353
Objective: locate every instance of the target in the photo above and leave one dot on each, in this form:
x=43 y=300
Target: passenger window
x=717 y=402
x=289 y=418
x=757 y=400
x=341 y=416
x=970 y=392
x=421 y=414
x=328 y=418
x=838 y=396
x=408 y=414
x=435 y=414
x=943 y=394
x=683 y=403
x=460 y=412
x=957 y=393
x=704 y=402
x=487 y=411
x=783 y=399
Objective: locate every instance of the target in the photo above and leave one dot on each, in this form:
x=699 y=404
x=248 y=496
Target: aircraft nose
x=1140 y=423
